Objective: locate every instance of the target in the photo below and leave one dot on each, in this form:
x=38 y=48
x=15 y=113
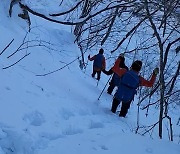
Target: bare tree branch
x=73 y=23
x=131 y=31
x=16 y=62
x=66 y=12
x=58 y=68
x=110 y=27
x=6 y=47
x=174 y=79
x=168 y=48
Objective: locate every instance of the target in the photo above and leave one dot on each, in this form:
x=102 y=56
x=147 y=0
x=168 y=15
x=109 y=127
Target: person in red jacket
x=99 y=63
x=115 y=78
x=130 y=81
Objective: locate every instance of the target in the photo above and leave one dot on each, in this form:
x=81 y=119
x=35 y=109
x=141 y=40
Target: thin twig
x=58 y=69
x=16 y=62
x=6 y=47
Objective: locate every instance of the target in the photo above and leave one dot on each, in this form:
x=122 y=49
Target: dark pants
x=113 y=83
x=111 y=87
x=124 y=108
x=98 y=74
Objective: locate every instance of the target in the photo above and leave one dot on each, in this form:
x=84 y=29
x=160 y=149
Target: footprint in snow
x=103 y=147
x=51 y=136
x=94 y=125
x=149 y=150
x=32 y=93
x=66 y=114
x=83 y=112
x=35 y=118
x=72 y=131
x=7 y=88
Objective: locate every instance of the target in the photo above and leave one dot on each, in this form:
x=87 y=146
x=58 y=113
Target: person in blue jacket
x=127 y=88
x=99 y=63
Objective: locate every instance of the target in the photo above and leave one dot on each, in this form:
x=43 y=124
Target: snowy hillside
x=59 y=113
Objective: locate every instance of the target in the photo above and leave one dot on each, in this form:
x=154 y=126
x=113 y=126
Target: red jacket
x=143 y=82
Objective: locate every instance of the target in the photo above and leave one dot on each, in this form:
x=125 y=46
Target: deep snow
x=59 y=112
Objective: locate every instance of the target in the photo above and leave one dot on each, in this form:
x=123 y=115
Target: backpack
x=98 y=61
x=116 y=79
x=127 y=88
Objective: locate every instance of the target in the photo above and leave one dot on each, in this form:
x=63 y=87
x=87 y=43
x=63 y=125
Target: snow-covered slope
x=59 y=112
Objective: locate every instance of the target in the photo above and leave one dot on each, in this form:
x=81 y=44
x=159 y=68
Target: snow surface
x=60 y=113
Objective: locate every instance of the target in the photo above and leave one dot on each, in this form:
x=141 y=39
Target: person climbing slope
x=130 y=81
x=99 y=63
x=115 y=78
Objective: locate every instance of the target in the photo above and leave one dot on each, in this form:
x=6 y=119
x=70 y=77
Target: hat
x=101 y=51
x=136 y=65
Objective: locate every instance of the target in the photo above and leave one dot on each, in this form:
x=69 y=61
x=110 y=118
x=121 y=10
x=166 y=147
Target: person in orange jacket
x=130 y=81
x=115 y=78
x=99 y=63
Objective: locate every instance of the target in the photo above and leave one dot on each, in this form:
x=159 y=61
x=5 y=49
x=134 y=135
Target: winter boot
x=124 y=108
x=115 y=104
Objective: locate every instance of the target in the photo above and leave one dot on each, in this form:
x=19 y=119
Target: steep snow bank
x=59 y=112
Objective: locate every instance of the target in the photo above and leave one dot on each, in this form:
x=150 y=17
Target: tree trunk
x=162 y=86
x=78 y=28
x=162 y=66
x=85 y=12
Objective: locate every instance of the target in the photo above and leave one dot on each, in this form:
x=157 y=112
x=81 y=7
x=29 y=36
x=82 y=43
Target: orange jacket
x=143 y=82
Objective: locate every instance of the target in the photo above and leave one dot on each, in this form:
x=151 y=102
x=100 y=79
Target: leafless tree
x=145 y=27
x=166 y=38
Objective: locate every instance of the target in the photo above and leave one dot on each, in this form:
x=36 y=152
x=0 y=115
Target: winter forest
x=50 y=101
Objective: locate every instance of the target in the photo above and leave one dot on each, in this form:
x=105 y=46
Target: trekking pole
x=97 y=83
x=104 y=87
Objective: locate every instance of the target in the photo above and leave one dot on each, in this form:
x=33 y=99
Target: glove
x=89 y=57
x=156 y=71
x=103 y=70
x=121 y=55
